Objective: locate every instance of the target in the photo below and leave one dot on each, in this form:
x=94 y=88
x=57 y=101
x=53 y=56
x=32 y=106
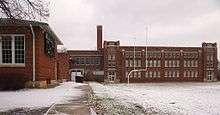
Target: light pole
x=133 y=64
x=134 y=70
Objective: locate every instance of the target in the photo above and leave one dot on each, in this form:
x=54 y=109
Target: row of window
x=210 y=57
x=190 y=73
x=132 y=63
x=172 y=63
x=173 y=54
x=111 y=64
x=12 y=49
x=190 y=55
x=167 y=73
x=174 y=73
x=157 y=63
x=87 y=60
x=154 y=54
x=111 y=57
x=158 y=54
x=152 y=74
x=153 y=63
x=190 y=63
x=136 y=74
x=132 y=54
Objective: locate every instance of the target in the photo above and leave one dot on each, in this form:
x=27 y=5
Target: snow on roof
x=17 y=22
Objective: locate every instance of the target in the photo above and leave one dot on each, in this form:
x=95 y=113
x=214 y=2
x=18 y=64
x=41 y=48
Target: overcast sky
x=170 y=22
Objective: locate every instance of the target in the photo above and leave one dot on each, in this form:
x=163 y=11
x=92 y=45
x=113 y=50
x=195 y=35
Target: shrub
x=12 y=82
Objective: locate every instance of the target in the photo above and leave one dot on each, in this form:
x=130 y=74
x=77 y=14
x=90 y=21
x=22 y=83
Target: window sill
x=12 y=65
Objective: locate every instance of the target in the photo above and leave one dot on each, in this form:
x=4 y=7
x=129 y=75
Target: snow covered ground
x=166 y=98
x=38 y=98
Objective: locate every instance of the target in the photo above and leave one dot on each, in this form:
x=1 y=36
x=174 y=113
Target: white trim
x=13 y=64
x=13 y=49
x=33 y=48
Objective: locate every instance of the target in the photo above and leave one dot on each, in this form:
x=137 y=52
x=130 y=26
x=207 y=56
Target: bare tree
x=24 y=9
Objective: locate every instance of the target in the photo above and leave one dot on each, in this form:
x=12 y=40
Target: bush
x=9 y=82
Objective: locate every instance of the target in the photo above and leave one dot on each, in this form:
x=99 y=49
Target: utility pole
x=146 y=46
x=134 y=53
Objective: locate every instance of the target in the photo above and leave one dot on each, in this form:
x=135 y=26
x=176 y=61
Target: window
x=77 y=60
x=6 y=49
x=139 y=74
x=87 y=61
x=146 y=74
x=150 y=63
x=126 y=63
x=12 y=49
x=97 y=60
x=82 y=60
x=131 y=63
x=209 y=75
x=111 y=57
x=111 y=75
x=166 y=63
x=196 y=63
x=166 y=74
x=150 y=74
x=92 y=60
x=49 y=45
x=178 y=63
x=158 y=63
x=155 y=63
x=135 y=63
x=158 y=74
x=135 y=74
x=139 y=63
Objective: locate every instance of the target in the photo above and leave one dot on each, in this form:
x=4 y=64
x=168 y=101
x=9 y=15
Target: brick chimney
x=99 y=37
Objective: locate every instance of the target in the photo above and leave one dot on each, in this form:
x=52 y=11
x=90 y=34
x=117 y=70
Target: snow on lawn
x=37 y=98
x=166 y=98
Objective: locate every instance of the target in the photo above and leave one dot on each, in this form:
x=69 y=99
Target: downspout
x=34 y=60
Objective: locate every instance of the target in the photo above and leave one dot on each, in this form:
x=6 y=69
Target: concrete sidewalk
x=78 y=106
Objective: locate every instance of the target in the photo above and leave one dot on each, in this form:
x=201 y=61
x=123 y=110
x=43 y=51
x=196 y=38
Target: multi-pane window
x=111 y=57
x=12 y=49
x=111 y=75
x=97 y=60
x=190 y=63
x=152 y=74
x=82 y=60
x=172 y=63
x=19 y=49
x=190 y=73
x=77 y=61
x=6 y=49
x=153 y=63
x=172 y=73
x=87 y=61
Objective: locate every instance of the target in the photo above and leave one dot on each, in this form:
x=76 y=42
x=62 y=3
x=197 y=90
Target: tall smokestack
x=99 y=37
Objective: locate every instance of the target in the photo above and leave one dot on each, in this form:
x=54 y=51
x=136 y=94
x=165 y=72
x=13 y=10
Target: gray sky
x=171 y=22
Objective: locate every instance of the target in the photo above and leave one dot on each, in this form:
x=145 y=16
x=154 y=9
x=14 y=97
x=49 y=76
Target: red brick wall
x=200 y=67
x=27 y=70
x=63 y=66
x=45 y=66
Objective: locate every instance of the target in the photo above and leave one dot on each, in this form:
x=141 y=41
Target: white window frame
x=13 y=64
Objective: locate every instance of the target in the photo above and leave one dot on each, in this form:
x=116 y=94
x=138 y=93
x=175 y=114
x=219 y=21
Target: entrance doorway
x=77 y=75
x=210 y=75
x=111 y=76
